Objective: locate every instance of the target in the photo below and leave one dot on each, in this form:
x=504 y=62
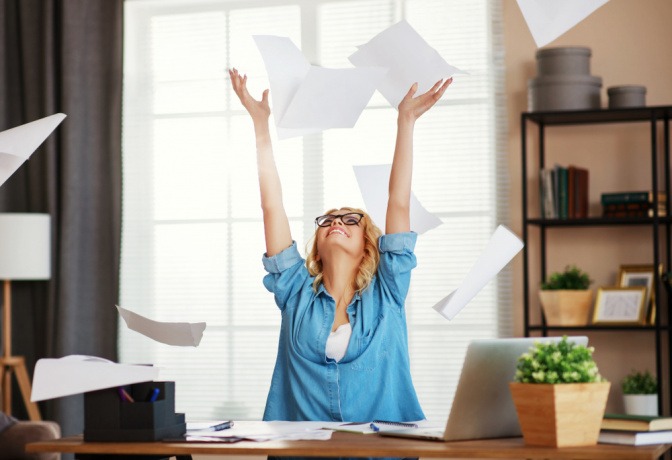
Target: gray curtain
x=66 y=56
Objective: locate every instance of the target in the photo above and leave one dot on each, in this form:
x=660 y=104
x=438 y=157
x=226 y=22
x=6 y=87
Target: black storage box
x=108 y=416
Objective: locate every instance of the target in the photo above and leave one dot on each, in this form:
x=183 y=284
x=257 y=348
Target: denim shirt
x=373 y=380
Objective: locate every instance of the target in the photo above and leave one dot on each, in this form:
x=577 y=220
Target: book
x=547 y=194
x=572 y=190
x=636 y=422
x=631 y=197
x=635 y=438
x=631 y=207
x=578 y=183
x=634 y=213
x=563 y=192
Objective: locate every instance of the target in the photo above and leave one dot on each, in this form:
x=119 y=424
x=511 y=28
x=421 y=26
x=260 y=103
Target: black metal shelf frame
x=653 y=115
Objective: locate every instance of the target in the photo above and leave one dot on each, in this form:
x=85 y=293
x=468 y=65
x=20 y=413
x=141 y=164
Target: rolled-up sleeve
x=397 y=259
x=286 y=274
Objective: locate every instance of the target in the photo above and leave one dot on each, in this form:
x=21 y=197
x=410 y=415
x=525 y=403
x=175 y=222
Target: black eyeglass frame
x=338 y=216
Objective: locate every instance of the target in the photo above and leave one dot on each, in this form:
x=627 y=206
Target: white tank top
x=337 y=342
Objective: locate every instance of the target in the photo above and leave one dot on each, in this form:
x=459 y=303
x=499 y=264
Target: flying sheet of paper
x=74 y=374
x=309 y=99
x=373 y=183
x=409 y=58
x=548 y=19
x=18 y=144
x=502 y=247
x=178 y=334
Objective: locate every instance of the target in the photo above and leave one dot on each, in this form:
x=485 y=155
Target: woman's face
x=344 y=231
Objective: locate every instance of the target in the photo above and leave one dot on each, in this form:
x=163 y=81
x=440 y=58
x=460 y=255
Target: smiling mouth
x=337 y=231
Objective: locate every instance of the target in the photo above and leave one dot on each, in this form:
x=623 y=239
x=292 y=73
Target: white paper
x=276 y=431
x=373 y=181
x=409 y=58
x=178 y=334
x=74 y=374
x=308 y=99
x=18 y=144
x=548 y=19
x=502 y=247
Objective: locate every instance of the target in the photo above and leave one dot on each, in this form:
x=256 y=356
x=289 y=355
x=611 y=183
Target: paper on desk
x=275 y=431
x=548 y=19
x=18 y=144
x=309 y=99
x=178 y=334
x=373 y=183
x=74 y=374
x=501 y=248
x=409 y=58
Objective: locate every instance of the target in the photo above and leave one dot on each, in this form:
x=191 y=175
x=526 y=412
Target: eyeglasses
x=351 y=218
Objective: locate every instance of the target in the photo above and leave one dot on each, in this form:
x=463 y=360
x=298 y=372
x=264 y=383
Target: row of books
x=564 y=192
x=635 y=430
x=633 y=204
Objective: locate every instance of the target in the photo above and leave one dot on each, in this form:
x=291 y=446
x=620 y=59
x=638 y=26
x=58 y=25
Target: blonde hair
x=369 y=265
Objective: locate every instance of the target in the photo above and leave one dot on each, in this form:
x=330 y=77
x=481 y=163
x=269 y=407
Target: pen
x=385 y=422
x=153 y=395
x=221 y=426
x=374 y=427
x=123 y=394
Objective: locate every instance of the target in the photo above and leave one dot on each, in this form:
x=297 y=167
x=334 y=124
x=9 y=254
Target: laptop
x=483 y=407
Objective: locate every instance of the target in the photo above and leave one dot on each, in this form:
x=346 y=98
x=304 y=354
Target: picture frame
x=620 y=306
x=641 y=275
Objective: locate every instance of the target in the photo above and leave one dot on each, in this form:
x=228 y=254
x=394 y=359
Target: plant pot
x=565 y=307
x=561 y=415
x=641 y=404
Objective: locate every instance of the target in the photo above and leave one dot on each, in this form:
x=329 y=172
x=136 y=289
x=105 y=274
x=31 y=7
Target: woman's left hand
x=411 y=108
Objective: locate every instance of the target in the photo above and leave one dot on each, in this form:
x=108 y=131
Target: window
x=192 y=235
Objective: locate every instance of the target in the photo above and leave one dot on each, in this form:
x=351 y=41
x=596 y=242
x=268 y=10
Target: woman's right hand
x=258 y=110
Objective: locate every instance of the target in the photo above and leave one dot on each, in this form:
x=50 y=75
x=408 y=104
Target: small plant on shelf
x=558 y=362
x=565 y=297
x=639 y=383
x=640 y=393
x=573 y=278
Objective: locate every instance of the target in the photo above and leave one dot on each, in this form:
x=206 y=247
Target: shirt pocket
x=372 y=347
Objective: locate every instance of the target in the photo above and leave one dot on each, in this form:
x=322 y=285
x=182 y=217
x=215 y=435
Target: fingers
x=436 y=86
x=438 y=93
x=411 y=91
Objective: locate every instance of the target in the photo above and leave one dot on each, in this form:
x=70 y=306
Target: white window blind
x=192 y=235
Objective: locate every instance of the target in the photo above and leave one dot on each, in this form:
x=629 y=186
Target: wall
x=630 y=43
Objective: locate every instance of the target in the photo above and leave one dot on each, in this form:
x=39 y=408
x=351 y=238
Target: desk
x=357 y=445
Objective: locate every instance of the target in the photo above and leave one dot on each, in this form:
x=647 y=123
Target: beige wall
x=631 y=44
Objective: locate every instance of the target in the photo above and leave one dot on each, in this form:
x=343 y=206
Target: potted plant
x=565 y=297
x=640 y=393
x=559 y=394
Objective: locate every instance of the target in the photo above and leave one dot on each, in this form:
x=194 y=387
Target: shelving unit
x=661 y=227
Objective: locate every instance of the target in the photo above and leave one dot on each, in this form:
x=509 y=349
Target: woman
x=343 y=348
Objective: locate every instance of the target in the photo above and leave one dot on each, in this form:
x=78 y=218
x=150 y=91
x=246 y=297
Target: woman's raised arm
x=276 y=225
x=398 y=217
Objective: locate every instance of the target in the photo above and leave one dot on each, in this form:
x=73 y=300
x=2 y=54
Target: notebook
x=483 y=407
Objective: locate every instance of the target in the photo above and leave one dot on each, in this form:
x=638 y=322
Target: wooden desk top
x=357 y=445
